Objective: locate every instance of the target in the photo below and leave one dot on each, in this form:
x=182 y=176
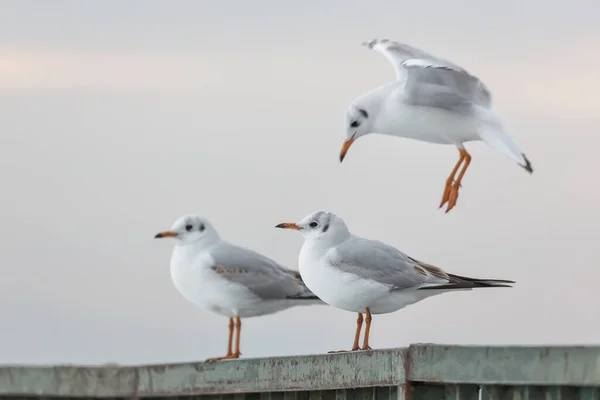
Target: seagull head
x=191 y=229
x=359 y=122
x=320 y=225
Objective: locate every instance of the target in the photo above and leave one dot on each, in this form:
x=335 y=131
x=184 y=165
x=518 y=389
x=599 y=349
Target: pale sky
x=116 y=118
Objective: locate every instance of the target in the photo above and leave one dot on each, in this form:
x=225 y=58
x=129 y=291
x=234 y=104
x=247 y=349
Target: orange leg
x=238 y=331
x=355 y=347
x=450 y=195
x=230 y=354
x=365 y=345
x=359 y=322
x=230 y=340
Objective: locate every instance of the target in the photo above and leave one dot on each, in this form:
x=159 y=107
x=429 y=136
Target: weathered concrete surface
x=325 y=372
x=516 y=370
x=514 y=365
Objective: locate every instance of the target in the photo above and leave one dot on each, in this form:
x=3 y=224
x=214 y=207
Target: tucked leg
x=355 y=347
x=365 y=345
x=452 y=186
x=450 y=180
x=454 y=191
x=230 y=354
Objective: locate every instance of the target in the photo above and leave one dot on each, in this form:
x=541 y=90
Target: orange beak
x=345 y=147
x=288 y=225
x=165 y=234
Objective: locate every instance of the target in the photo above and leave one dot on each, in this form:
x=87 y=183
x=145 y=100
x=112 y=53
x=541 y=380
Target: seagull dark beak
x=288 y=225
x=345 y=147
x=165 y=234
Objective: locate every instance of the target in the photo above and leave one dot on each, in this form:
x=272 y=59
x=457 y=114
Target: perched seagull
x=434 y=101
x=230 y=280
x=368 y=276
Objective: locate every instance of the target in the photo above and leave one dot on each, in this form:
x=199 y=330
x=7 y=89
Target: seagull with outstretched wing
x=431 y=100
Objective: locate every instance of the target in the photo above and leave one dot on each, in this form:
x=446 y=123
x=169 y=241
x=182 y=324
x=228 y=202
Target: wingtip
x=527 y=167
x=368 y=44
x=494 y=284
x=499 y=281
x=371 y=43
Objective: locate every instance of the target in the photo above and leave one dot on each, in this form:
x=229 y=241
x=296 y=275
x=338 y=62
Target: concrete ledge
x=330 y=371
x=440 y=364
x=513 y=365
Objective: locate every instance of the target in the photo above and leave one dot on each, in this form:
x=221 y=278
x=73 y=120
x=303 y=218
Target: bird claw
x=344 y=351
x=452 y=199
x=225 y=357
x=450 y=196
x=349 y=351
x=445 y=196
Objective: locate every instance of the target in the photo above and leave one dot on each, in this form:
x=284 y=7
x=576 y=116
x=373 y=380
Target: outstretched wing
x=397 y=53
x=432 y=81
x=259 y=274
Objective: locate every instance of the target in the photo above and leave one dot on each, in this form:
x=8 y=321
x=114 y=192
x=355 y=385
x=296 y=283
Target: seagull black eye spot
x=189 y=227
x=201 y=228
x=354 y=124
x=364 y=113
x=313 y=224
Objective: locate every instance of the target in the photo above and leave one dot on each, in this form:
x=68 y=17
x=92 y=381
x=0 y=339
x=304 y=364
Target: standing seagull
x=368 y=276
x=230 y=280
x=434 y=101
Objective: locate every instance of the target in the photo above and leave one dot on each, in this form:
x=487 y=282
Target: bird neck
x=326 y=242
x=197 y=246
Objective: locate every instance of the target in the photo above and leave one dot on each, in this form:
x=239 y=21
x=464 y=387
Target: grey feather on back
x=261 y=275
x=374 y=260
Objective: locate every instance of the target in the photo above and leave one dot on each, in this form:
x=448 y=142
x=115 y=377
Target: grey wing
x=261 y=275
x=397 y=53
x=432 y=81
x=371 y=259
x=439 y=85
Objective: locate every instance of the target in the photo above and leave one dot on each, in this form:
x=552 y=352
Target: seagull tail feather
x=493 y=134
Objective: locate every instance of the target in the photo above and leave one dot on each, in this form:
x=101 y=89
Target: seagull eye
x=201 y=228
x=189 y=227
x=354 y=124
x=313 y=224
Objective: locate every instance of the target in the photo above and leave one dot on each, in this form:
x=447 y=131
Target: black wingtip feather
x=527 y=167
x=466 y=278
x=302 y=298
x=463 y=282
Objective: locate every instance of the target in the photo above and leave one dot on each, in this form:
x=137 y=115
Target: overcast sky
x=116 y=118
